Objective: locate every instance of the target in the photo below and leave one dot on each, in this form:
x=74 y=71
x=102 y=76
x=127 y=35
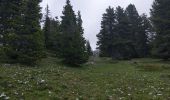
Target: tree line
x=23 y=41
x=125 y=34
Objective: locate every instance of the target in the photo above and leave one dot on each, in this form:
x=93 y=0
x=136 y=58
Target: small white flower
x=49 y=92
x=2 y=95
x=150 y=93
x=159 y=94
x=42 y=81
x=77 y=98
x=7 y=98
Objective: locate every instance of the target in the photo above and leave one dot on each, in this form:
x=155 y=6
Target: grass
x=138 y=79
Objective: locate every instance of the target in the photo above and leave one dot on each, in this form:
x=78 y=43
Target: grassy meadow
x=100 y=79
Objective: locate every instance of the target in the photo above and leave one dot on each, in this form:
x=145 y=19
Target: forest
x=49 y=58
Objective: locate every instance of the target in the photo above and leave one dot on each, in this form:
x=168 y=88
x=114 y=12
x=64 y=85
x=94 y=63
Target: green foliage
x=89 y=49
x=51 y=31
x=123 y=47
x=47 y=28
x=3 y=56
x=23 y=39
x=10 y=17
x=106 y=35
x=161 y=21
x=31 y=43
x=138 y=31
x=54 y=35
x=72 y=42
x=124 y=34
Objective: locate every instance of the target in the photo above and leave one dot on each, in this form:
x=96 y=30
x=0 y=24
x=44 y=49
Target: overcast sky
x=92 y=10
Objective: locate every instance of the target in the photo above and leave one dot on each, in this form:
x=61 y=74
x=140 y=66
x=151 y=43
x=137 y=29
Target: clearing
x=138 y=79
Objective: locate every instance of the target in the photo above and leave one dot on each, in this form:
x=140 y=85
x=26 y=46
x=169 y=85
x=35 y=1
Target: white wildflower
x=2 y=95
x=7 y=98
x=159 y=94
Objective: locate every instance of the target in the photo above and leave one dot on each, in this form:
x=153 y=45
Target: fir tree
x=11 y=25
x=107 y=35
x=73 y=46
x=123 y=47
x=89 y=49
x=79 y=23
x=145 y=36
x=46 y=28
x=161 y=21
x=30 y=44
x=138 y=34
x=54 y=35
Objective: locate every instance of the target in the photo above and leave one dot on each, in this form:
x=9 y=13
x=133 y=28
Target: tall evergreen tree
x=11 y=25
x=148 y=28
x=123 y=47
x=30 y=40
x=160 y=18
x=46 y=28
x=79 y=23
x=82 y=43
x=145 y=36
x=138 y=35
x=89 y=49
x=107 y=35
x=54 y=35
x=9 y=11
x=73 y=46
x=51 y=32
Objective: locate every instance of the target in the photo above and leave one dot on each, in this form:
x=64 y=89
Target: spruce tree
x=145 y=36
x=82 y=44
x=138 y=35
x=123 y=47
x=89 y=49
x=54 y=35
x=51 y=32
x=11 y=25
x=72 y=45
x=161 y=21
x=46 y=28
x=107 y=35
x=79 y=24
x=31 y=41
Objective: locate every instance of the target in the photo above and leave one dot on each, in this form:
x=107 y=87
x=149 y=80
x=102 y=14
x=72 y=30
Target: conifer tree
x=145 y=36
x=21 y=32
x=7 y=17
x=89 y=49
x=107 y=35
x=123 y=47
x=31 y=41
x=54 y=35
x=161 y=21
x=46 y=28
x=11 y=25
x=73 y=46
x=79 y=24
x=138 y=35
